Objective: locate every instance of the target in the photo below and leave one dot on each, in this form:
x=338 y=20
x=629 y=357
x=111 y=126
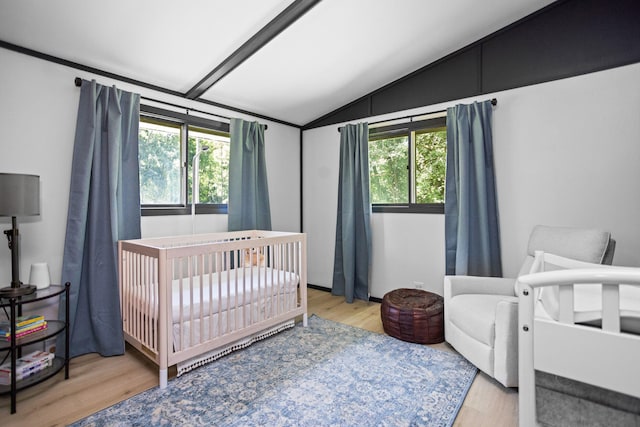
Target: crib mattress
x=588 y=303
x=212 y=293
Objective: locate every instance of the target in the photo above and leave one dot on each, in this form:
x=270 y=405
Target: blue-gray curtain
x=248 y=207
x=472 y=234
x=104 y=207
x=353 y=225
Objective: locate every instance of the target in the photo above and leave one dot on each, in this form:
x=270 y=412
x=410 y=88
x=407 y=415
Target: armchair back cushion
x=588 y=245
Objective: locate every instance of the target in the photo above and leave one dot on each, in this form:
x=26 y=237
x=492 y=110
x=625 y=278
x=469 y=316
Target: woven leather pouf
x=413 y=315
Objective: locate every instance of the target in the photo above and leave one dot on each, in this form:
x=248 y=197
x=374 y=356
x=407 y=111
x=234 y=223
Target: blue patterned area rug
x=327 y=374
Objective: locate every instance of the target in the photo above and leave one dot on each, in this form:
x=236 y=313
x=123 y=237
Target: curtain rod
x=494 y=102
x=78 y=83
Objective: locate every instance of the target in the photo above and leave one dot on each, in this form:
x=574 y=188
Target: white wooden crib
x=579 y=344
x=186 y=300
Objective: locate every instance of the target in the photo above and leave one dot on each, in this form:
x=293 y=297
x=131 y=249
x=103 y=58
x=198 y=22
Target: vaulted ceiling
x=290 y=60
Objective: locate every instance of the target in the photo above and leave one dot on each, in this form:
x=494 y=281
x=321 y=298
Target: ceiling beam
x=287 y=17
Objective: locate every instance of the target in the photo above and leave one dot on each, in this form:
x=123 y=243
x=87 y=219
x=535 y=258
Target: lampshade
x=19 y=194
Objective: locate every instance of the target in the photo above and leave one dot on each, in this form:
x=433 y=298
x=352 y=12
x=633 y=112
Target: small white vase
x=39 y=276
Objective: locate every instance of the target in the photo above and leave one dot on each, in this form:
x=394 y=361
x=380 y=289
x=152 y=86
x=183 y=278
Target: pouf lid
x=414 y=299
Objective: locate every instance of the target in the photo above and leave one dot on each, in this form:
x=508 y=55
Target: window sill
x=432 y=208
x=182 y=210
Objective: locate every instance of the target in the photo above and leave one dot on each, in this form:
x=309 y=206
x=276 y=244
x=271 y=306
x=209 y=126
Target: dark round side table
x=413 y=315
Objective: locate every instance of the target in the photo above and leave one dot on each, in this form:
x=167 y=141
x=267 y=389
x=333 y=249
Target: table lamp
x=19 y=196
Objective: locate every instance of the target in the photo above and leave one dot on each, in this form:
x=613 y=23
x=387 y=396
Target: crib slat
x=610 y=307
x=210 y=261
x=273 y=264
x=152 y=315
x=164 y=314
x=135 y=315
x=219 y=276
x=565 y=297
x=227 y=314
x=139 y=302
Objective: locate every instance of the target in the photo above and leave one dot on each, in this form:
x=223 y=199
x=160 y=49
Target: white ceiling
x=337 y=52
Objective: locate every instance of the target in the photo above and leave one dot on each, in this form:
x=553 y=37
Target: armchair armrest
x=456 y=285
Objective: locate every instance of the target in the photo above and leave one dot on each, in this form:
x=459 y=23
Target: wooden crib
x=186 y=300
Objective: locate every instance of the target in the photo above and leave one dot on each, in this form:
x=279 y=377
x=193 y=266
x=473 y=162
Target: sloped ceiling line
x=278 y=24
x=83 y=67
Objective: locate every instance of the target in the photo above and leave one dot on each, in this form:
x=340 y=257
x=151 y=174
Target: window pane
x=388 y=174
x=213 y=170
x=430 y=165
x=159 y=154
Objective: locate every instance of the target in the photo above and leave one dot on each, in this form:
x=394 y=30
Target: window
x=168 y=142
x=160 y=162
x=407 y=166
x=213 y=171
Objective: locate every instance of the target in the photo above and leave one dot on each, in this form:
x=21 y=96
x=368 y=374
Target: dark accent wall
x=567 y=38
x=453 y=78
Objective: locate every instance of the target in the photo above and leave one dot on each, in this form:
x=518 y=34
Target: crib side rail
x=194 y=240
x=601 y=356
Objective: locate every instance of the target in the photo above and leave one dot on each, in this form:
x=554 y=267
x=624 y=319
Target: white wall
x=566 y=153
x=38 y=110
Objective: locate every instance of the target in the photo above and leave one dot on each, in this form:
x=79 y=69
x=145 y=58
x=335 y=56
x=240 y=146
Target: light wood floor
x=98 y=382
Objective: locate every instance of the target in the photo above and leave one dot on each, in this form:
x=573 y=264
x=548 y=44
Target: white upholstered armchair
x=481 y=313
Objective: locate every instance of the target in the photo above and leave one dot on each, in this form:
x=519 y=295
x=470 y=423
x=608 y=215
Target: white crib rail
x=601 y=356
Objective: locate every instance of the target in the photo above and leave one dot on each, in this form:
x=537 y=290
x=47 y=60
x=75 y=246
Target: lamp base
x=11 y=292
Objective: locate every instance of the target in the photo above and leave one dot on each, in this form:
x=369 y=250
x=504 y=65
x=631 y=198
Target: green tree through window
x=214 y=165
x=407 y=166
x=159 y=157
x=168 y=142
x=430 y=165
x=388 y=159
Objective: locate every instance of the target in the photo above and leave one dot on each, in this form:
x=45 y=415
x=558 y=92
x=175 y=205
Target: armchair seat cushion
x=475 y=314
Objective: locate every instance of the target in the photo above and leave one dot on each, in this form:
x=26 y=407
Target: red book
x=27 y=332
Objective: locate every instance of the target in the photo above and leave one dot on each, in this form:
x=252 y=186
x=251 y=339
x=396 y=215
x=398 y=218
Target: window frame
x=185 y=121
x=408 y=129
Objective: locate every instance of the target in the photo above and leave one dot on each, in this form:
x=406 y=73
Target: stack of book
x=25 y=366
x=25 y=325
